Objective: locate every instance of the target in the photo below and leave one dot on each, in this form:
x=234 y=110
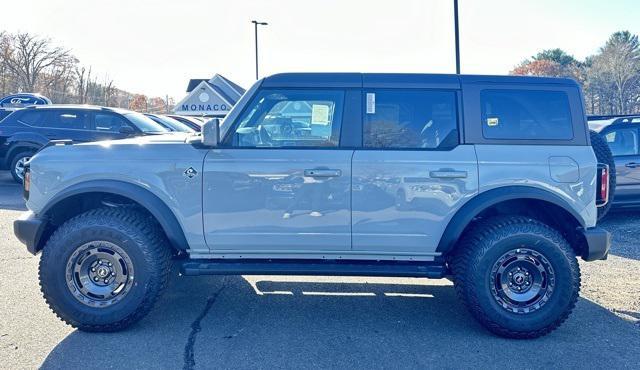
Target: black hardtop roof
x=404 y=79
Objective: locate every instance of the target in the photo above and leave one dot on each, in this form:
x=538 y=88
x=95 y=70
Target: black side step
x=433 y=270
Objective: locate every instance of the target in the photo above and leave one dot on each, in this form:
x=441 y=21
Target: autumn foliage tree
x=139 y=103
x=610 y=79
x=538 y=68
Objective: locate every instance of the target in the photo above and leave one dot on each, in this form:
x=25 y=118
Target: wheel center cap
x=103 y=272
x=519 y=278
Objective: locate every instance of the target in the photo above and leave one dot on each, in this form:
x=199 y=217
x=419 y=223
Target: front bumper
x=598 y=244
x=28 y=229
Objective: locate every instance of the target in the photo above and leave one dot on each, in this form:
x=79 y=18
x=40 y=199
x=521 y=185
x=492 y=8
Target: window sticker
x=371 y=103
x=319 y=114
x=492 y=121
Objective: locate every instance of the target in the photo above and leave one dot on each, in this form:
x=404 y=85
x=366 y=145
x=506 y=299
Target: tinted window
x=291 y=118
x=32 y=117
x=527 y=115
x=4 y=113
x=170 y=123
x=108 y=122
x=144 y=123
x=67 y=119
x=623 y=141
x=410 y=119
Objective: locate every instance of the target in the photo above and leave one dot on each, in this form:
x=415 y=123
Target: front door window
x=291 y=118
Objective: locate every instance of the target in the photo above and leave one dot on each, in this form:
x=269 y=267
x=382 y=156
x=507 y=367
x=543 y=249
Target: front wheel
x=104 y=269
x=517 y=276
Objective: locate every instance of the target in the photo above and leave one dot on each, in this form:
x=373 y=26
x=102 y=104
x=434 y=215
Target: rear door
x=411 y=174
x=623 y=142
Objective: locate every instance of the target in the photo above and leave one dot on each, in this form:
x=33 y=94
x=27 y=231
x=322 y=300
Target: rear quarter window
x=526 y=115
x=32 y=117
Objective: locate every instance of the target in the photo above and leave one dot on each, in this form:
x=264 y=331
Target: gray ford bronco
x=489 y=181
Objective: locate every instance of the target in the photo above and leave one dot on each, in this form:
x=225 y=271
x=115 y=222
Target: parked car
x=302 y=178
x=621 y=133
x=170 y=123
x=25 y=131
x=194 y=122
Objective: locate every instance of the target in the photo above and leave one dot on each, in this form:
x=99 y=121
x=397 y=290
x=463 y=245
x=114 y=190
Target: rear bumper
x=598 y=244
x=28 y=229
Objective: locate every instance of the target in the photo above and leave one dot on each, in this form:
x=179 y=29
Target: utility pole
x=457 y=35
x=255 y=26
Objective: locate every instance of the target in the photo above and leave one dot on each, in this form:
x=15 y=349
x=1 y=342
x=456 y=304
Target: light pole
x=255 y=27
x=457 y=35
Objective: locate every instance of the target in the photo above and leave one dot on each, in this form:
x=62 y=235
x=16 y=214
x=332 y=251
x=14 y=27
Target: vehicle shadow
x=308 y=322
x=10 y=193
x=622 y=224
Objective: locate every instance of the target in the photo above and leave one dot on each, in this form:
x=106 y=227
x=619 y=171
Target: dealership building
x=209 y=97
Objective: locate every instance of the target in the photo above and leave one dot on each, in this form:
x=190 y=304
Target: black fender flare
x=489 y=198
x=151 y=202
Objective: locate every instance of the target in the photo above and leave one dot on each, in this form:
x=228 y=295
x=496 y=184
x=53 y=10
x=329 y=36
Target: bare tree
x=619 y=64
x=28 y=57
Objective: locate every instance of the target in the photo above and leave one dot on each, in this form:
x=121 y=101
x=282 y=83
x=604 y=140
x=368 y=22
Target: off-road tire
x=481 y=248
x=142 y=240
x=14 y=162
x=604 y=155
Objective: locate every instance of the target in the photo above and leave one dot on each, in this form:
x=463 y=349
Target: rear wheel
x=103 y=270
x=604 y=155
x=517 y=276
x=18 y=164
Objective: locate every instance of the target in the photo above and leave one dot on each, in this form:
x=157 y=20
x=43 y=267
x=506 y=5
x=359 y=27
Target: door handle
x=632 y=165
x=448 y=174
x=322 y=173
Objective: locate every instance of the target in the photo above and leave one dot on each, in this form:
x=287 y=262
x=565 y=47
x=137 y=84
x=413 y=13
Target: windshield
x=144 y=123
x=172 y=124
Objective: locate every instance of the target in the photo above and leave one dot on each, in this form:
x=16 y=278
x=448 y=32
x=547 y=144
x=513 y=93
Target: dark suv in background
x=26 y=131
x=622 y=134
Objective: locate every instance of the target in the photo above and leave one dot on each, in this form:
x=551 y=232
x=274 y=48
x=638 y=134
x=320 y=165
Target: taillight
x=27 y=183
x=603 y=185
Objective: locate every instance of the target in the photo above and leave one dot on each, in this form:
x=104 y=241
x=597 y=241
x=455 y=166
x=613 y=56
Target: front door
x=280 y=182
x=623 y=142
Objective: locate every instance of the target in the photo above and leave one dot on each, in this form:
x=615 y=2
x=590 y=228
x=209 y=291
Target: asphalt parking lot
x=308 y=322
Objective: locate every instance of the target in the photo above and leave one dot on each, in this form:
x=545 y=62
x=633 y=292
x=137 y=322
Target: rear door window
x=526 y=115
x=410 y=119
x=67 y=119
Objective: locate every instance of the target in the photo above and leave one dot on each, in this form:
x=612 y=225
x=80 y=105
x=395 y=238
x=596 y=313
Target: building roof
x=216 y=81
x=193 y=83
x=233 y=84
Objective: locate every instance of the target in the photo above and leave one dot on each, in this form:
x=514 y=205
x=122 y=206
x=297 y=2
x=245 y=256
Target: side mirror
x=211 y=133
x=127 y=130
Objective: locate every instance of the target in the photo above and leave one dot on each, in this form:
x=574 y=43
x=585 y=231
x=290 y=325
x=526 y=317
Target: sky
x=154 y=47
